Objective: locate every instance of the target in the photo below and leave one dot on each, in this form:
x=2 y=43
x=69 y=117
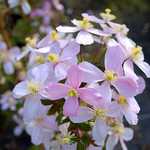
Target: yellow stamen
x=110 y=75
x=122 y=100
x=53 y=58
x=33 y=87
x=72 y=93
x=101 y=113
x=107 y=15
x=136 y=52
x=31 y=41
x=54 y=36
x=118 y=129
x=39 y=59
x=85 y=24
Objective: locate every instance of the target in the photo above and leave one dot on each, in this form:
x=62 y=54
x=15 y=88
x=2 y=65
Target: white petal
x=84 y=38
x=67 y=29
x=111 y=142
x=26 y=7
x=21 y=90
x=128 y=134
x=145 y=67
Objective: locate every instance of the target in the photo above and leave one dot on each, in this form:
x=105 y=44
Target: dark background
x=136 y=15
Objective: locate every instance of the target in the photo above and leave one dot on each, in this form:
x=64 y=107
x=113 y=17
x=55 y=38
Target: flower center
x=33 y=87
x=85 y=24
x=53 y=58
x=136 y=52
x=72 y=93
x=118 y=129
x=122 y=100
x=39 y=59
x=39 y=120
x=54 y=36
x=107 y=15
x=31 y=41
x=101 y=113
x=110 y=75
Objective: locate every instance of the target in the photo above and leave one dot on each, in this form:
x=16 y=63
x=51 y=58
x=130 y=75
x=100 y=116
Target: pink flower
x=72 y=92
x=113 y=74
x=61 y=57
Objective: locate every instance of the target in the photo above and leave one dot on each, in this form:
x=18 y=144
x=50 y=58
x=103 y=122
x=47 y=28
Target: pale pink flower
x=113 y=74
x=35 y=81
x=72 y=92
x=39 y=125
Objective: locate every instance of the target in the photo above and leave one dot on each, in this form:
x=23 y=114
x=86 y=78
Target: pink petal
x=84 y=114
x=90 y=72
x=74 y=77
x=56 y=91
x=90 y=96
x=71 y=50
x=71 y=106
x=114 y=58
x=134 y=106
x=126 y=86
x=105 y=91
x=84 y=38
x=97 y=32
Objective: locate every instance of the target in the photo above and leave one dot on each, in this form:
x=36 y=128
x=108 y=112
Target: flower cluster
x=81 y=92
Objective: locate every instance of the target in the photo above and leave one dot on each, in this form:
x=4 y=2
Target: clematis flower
x=8 y=57
x=36 y=79
x=39 y=125
x=26 y=8
x=7 y=101
x=61 y=58
x=127 y=107
x=86 y=31
x=134 y=53
x=120 y=134
x=18 y=119
x=113 y=74
x=63 y=139
x=72 y=92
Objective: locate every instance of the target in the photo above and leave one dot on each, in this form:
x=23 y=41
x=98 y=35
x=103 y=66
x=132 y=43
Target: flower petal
x=84 y=114
x=145 y=67
x=111 y=142
x=71 y=50
x=74 y=77
x=99 y=132
x=67 y=29
x=90 y=96
x=126 y=86
x=128 y=134
x=56 y=91
x=84 y=38
x=21 y=90
x=114 y=64
x=71 y=106
x=90 y=72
